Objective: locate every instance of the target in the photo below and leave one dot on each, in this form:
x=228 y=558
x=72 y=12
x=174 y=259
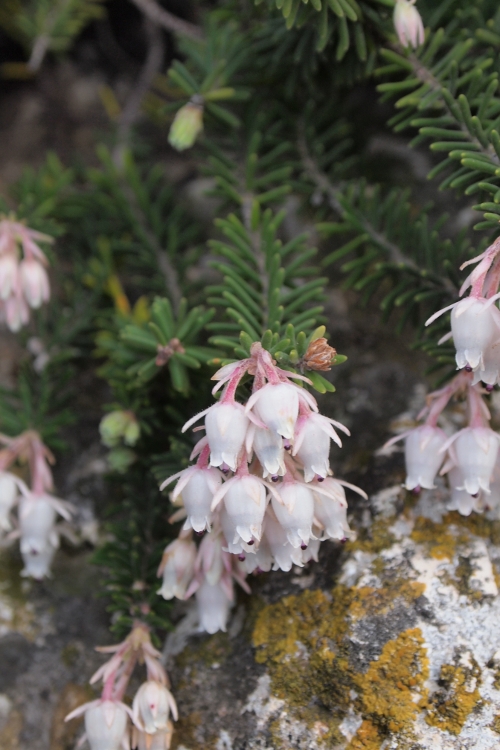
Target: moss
x=187 y=730
x=209 y=650
x=449 y=707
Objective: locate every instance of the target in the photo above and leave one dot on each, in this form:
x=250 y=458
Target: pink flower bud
x=226 y=426
x=423 y=457
x=34 y=282
x=151 y=707
x=408 y=24
x=177 y=568
x=296 y=514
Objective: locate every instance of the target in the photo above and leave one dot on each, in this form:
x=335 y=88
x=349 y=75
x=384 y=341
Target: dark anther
x=303 y=546
x=275 y=478
x=251 y=542
x=468 y=368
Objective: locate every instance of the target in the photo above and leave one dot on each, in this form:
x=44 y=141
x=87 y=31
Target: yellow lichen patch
x=376 y=538
x=495 y=724
x=370 y=601
x=449 y=707
x=367 y=737
x=437 y=537
x=393 y=686
x=477 y=523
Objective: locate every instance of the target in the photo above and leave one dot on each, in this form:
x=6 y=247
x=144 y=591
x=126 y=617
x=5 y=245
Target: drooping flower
x=37 y=517
x=151 y=707
x=284 y=554
x=34 y=282
x=295 y=513
x=197 y=487
x=408 y=24
x=474 y=451
x=214 y=606
x=475 y=325
x=460 y=499
x=106 y=724
x=177 y=568
x=277 y=406
x=312 y=443
x=331 y=510
x=245 y=504
x=268 y=446
x=226 y=425
x=423 y=457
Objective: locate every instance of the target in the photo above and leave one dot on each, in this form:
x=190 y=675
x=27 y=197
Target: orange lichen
x=449 y=707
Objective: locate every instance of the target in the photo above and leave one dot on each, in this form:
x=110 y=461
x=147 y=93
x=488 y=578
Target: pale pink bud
x=277 y=406
x=226 y=426
x=214 y=606
x=475 y=325
x=106 y=725
x=8 y=275
x=408 y=24
x=296 y=514
x=177 y=568
x=37 y=517
x=8 y=497
x=331 y=511
x=423 y=457
x=268 y=446
x=245 y=503
x=475 y=451
x=151 y=707
x=34 y=282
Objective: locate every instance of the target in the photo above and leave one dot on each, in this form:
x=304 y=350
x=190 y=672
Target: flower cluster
x=470 y=456
x=37 y=508
x=110 y=724
x=24 y=282
x=261 y=487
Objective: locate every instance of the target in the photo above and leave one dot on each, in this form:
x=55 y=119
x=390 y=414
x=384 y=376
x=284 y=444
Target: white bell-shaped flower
x=214 y=606
x=37 y=517
x=408 y=24
x=106 y=725
x=226 y=425
x=312 y=443
x=296 y=514
x=423 y=457
x=151 y=707
x=177 y=568
x=277 y=406
x=460 y=499
x=197 y=488
x=331 y=510
x=475 y=325
x=159 y=741
x=490 y=371
x=475 y=452
x=284 y=554
x=260 y=558
x=234 y=543
x=312 y=551
x=268 y=445
x=34 y=282
x=245 y=503
x=37 y=564
x=8 y=497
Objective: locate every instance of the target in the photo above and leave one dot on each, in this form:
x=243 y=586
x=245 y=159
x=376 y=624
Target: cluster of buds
x=261 y=488
x=24 y=282
x=110 y=724
x=408 y=24
x=470 y=456
x=37 y=509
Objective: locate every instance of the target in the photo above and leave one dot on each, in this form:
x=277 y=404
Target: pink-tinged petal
x=194 y=419
x=439 y=313
x=80 y=710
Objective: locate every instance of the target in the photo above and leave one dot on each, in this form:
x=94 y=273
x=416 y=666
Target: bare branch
x=169 y=22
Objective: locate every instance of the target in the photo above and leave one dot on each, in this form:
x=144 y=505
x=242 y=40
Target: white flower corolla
x=331 y=510
x=15 y=312
x=234 y=543
x=105 y=724
x=151 y=707
x=277 y=406
x=408 y=24
x=260 y=558
x=177 y=568
x=37 y=517
x=245 y=504
x=268 y=446
x=460 y=499
x=8 y=497
x=475 y=325
x=214 y=606
x=422 y=456
x=312 y=550
x=226 y=426
x=196 y=487
x=34 y=282
x=8 y=275
x=490 y=370
x=161 y=740
x=37 y=564
x=284 y=554
x=475 y=452
x=312 y=444
x=296 y=514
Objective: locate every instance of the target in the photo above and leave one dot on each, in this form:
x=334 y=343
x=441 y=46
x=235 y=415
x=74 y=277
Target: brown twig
x=169 y=22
